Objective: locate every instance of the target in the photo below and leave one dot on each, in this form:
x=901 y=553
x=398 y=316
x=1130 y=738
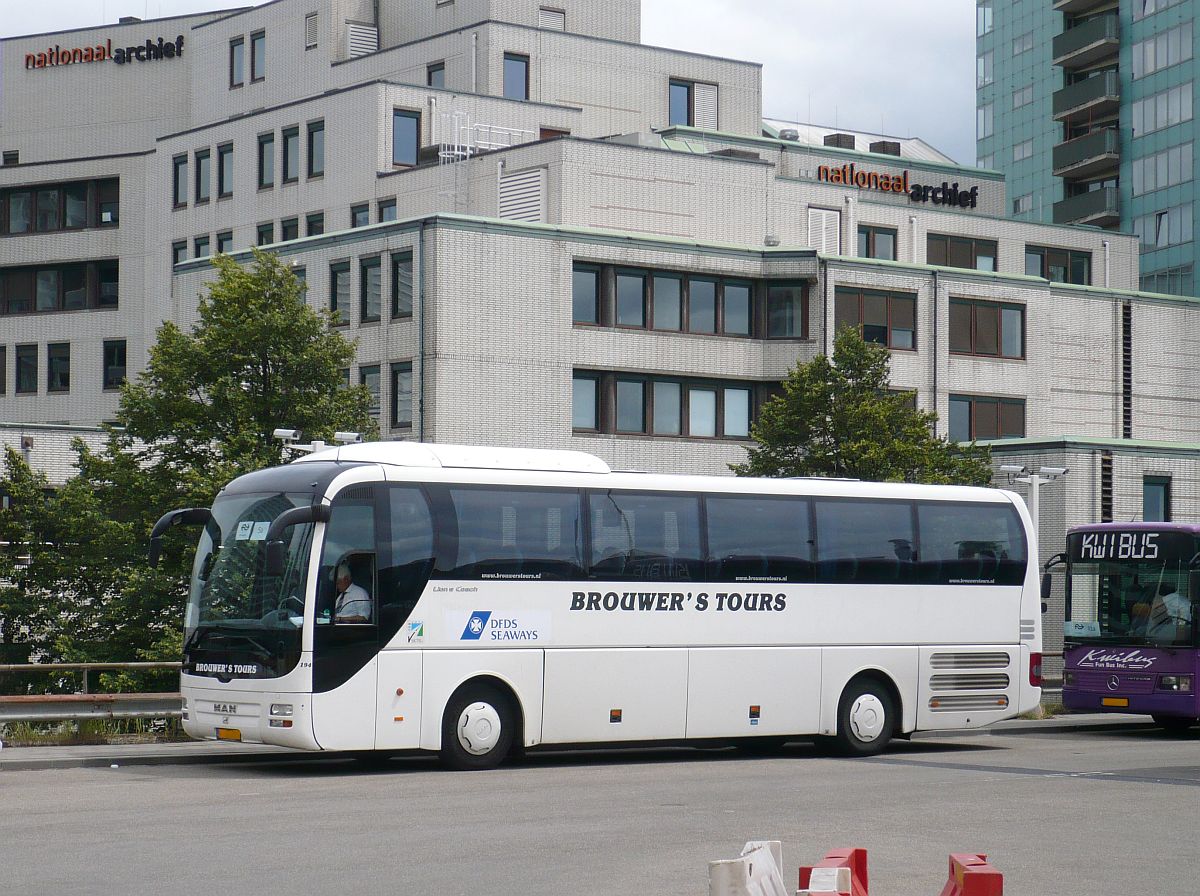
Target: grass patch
x=91 y=732
x=1045 y=711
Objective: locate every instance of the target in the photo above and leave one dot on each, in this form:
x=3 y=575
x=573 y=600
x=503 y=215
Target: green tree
x=836 y=417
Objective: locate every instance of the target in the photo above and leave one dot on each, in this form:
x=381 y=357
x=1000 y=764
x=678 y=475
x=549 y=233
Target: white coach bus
x=476 y=601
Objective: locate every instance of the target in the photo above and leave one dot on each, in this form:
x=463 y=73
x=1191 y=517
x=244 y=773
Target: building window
x=402 y=395
x=64 y=287
x=585 y=402
x=58 y=367
x=681 y=108
x=1163 y=169
x=1168 y=227
x=360 y=215
x=736 y=304
x=179 y=252
x=203 y=176
x=402 y=284
x=988 y=161
x=406 y=134
x=74 y=205
x=984 y=121
x=983 y=69
x=787 y=311
x=1022 y=96
x=631 y=299
x=1143 y=8
x=310 y=30
x=225 y=241
x=289 y=229
x=660 y=406
x=1059 y=265
x=339 y=293
x=386 y=210
x=291 y=155
x=876 y=242
x=265 y=234
x=237 y=62
x=1023 y=204
x=1162 y=50
x=516 y=76
x=977 y=417
x=266 y=161
x=1175 y=281
x=961 y=252
x=585 y=294
x=314 y=224
x=882 y=318
x=435 y=75
x=1022 y=150
x=3 y=369
x=179 y=180
x=1156 y=499
x=225 y=170
x=258 y=56
x=370 y=281
x=1161 y=110
x=983 y=18
x=316 y=149
x=1022 y=44
x=114 y=363
x=630 y=405
x=369 y=376
x=200 y=246
x=987 y=328
x=552 y=19
x=26 y=360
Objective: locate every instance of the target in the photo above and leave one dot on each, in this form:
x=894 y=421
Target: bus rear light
x=1179 y=683
x=1035 y=669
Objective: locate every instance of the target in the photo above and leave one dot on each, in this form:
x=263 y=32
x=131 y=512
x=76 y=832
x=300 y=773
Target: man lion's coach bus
x=1129 y=643
x=476 y=601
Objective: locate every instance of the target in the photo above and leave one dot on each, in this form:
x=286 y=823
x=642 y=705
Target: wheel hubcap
x=479 y=728
x=867 y=717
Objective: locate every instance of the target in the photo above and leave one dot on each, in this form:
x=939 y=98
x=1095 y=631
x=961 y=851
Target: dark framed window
x=864 y=541
x=402 y=395
x=736 y=308
x=316 y=148
x=178 y=252
x=630 y=408
x=513 y=532
x=961 y=252
x=200 y=246
x=645 y=535
x=237 y=62
x=631 y=299
x=787 y=311
x=225 y=170
x=585 y=402
x=985 y=417
x=53 y=207
x=360 y=215
x=702 y=305
x=18 y=204
x=435 y=74
x=291 y=154
x=339 y=292
x=108 y=202
x=876 y=242
x=682 y=107
x=990 y=329
x=225 y=241
x=74 y=286
x=402 y=284
x=370 y=285
x=113 y=373
x=884 y=318
x=264 y=234
x=258 y=55
x=1059 y=265
x=1156 y=499
x=386 y=210
x=755 y=537
x=369 y=376
x=314 y=224
x=666 y=310
x=662 y=406
x=3 y=369
x=179 y=180
x=266 y=161
x=585 y=294
x=26 y=369
x=203 y=176
x=58 y=367
x=406 y=136
x=516 y=76
x=108 y=273
x=289 y=229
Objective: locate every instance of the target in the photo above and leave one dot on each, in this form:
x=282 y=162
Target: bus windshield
x=1135 y=592
x=240 y=622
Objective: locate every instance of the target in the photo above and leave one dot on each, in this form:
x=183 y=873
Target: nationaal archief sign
x=946 y=194
x=55 y=56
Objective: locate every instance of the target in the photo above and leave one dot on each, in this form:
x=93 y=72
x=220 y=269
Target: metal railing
x=85 y=705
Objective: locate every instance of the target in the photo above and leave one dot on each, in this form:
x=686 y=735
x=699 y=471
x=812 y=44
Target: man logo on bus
x=475 y=625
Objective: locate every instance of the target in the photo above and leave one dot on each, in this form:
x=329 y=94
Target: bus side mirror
x=1194 y=585
x=274 y=560
x=276 y=552
x=188 y=516
x=1045 y=589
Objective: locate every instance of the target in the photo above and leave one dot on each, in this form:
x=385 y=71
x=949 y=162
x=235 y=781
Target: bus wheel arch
x=482 y=724
x=869 y=714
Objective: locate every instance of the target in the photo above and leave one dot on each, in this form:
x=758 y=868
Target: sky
x=867 y=65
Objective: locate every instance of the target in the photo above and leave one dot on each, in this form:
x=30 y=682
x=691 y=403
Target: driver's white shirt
x=1178 y=612
x=354 y=601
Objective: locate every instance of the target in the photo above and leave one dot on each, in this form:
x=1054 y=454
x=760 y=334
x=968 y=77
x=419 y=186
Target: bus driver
x=353 y=604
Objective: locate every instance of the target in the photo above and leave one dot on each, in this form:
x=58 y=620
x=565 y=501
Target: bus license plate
x=229 y=734
x=1114 y=701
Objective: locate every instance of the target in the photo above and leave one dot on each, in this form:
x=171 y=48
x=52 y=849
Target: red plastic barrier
x=971 y=875
x=854 y=859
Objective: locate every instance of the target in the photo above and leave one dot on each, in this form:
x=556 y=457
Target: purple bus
x=1128 y=640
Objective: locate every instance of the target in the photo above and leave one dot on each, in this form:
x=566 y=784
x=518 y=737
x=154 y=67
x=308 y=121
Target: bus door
x=346 y=631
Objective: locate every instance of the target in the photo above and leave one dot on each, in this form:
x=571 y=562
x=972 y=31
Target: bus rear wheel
x=866 y=718
x=1173 y=724
x=478 y=728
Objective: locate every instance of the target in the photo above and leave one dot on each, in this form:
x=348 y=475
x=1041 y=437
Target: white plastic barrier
x=758 y=871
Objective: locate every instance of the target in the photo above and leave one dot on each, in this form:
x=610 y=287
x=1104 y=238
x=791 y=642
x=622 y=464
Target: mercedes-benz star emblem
x=1113 y=682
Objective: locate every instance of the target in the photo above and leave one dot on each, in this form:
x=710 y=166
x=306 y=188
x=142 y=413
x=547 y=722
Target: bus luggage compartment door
x=398 y=722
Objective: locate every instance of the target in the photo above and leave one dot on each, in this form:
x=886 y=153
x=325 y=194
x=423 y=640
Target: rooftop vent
x=840 y=141
x=736 y=154
x=789 y=134
x=127 y=20
x=886 y=147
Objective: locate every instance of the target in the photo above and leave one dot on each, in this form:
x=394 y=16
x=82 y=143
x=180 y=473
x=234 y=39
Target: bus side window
x=406 y=557
x=867 y=542
x=970 y=544
x=350 y=539
x=638 y=535
x=755 y=537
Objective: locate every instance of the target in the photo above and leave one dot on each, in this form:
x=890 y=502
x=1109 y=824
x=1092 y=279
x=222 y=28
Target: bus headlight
x=281 y=709
x=1068 y=678
x=1179 y=683
x=184 y=715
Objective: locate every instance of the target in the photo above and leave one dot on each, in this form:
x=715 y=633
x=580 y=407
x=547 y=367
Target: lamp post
x=1035 y=479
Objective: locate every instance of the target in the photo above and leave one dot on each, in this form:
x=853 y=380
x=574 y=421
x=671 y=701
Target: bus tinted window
x=517 y=533
x=645 y=536
x=864 y=541
x=970 y=544
x=753 y=538
x=406 y=557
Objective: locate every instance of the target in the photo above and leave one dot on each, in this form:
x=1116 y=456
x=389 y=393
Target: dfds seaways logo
x=523 y=625
x=475 y=625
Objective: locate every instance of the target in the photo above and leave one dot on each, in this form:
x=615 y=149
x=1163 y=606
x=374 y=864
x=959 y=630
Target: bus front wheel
x=1173 y=724
x=477 y=729
x=866 y=717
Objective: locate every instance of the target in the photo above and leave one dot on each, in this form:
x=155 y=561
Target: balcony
x=1078 y=7
x=1098 y=208
x=1089 y=43
x=1088 y=156
x=1098 y=96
